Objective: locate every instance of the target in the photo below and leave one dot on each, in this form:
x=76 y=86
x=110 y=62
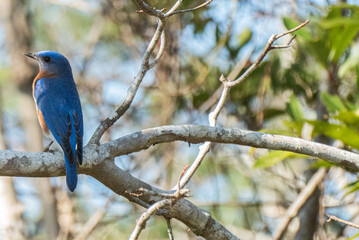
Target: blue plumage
x=59 y=108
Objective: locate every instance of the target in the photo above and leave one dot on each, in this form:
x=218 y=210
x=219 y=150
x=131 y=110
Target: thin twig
x=93 y=221
x=204 y=149
x=267 y=48
x=332 y=217
x=292 y=30
x=179 y=180
x=227 y=85
x=132 y=90
x=141 y=223
x=170 y=200
x=92 y=39
x=286 y=45
x=160 y=52
x=302 y=198
x=149 y=10
x=174 y=7
x=169 y=229
x=190 y=9
x=145 y=65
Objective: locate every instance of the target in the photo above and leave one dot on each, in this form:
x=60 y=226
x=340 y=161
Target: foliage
x=307 y=91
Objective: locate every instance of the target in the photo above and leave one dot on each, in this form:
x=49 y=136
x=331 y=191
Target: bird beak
x=30 y=55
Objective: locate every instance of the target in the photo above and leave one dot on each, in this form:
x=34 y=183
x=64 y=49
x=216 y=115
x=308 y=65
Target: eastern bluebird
x=59 y=109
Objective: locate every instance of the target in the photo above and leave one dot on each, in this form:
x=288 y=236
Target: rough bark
x=98 y=163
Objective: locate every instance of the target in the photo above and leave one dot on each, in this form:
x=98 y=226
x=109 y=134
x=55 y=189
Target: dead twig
x=169 y=200
x=132 y=90
x=141 y=223
x=169 y=229
x=160 y=51
x=93 y=221
x=145 y=65
x=227 y=85
x=332 y=217
x=189 y=10
x=179 y=180
x=294 y=208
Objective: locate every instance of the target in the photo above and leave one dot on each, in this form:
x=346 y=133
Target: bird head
x=51 y=62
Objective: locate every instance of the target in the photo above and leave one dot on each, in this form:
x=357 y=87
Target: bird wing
x=61 y=109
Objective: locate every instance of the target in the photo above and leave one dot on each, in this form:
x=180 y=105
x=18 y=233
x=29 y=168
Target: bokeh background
x=309 y=90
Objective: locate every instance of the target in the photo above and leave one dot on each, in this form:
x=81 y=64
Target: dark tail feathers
x=71 y=174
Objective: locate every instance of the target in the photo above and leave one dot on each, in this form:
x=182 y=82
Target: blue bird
x=59 y=109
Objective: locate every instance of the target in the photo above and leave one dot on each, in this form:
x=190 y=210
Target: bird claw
x=47 y=148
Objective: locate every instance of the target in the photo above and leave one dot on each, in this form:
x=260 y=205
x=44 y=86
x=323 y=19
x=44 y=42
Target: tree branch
x=227 y=85
x=149 y=10
x=298 y=203
x=44 y=164
x=145 y=65
x=332 y=217
x=98 y=163
x=132 y=90
x=141 y=223
x=188 y=10
x=169 y=200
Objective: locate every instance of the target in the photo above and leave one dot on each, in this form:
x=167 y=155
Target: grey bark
x=98 y=163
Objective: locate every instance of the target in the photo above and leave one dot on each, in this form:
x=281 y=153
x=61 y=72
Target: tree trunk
x=11 y=221
x=18 y=41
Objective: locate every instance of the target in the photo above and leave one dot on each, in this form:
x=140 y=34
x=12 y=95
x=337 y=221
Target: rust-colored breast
x=42 y=122
x=42 y=74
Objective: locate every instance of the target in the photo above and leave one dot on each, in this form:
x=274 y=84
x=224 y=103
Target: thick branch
x=227 y=85
x=98 y=162
x=197 y=134
x=121 y=182
x=13 y=163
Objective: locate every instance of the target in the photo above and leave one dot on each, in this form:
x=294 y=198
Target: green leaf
x=345 y=134
x=338 y=22
x=332 y=103
x=295 y=127
x=352 y=187
x=341 y=30
x=245 y=37
x=274 y=157
x=350 y=63
x=290 y=23
x=294 y=109
x=353 y=237
x=319 y=49
x=341 y=41
x=349 y=118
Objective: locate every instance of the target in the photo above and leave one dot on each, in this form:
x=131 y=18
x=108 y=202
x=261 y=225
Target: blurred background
x=309 y=90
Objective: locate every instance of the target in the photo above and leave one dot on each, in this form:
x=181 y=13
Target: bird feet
x=47 y=148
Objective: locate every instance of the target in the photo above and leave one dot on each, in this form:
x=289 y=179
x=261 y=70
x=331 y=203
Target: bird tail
x=71 y=174
x=71 y=158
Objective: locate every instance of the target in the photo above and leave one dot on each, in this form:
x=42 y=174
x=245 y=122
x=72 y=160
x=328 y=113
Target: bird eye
x=47 y=59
